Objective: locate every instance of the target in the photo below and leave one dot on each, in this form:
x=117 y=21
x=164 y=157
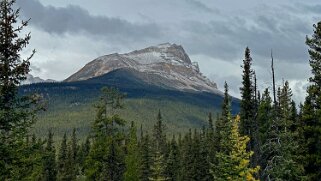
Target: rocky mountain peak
x=168 y=61
x=169 y=52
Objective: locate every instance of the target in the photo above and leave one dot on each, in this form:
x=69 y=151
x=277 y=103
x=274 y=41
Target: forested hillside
x=71 y=104
x=271 y=137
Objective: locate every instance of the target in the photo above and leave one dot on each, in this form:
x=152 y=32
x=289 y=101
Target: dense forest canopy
x=270 y=139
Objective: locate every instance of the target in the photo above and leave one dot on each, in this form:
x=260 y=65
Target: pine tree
x=264 y=118
x=221 y=126
x=234 y=165
x=159 y=136
x=63 y=165
x=312 y=107
x=211 y=139
x=132 y=159
x=106 y=158
x=83 y=153
x=247 y=92
x=49 y=159
x=203 y=161
x=159 y=150
x=186 y=154
x=73 y=155
x=17 y=113
x=172 y=164
x=249 y=107
x=146 y=158
x=280 y=146
x=158 y=167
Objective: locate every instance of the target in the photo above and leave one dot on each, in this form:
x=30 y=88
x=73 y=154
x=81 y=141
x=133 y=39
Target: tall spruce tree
x=172 y=164
x=221 y=125
x=16 y=113
x=159 y=136
x=248 y=125
x=63 y=162
x=264 y=118
x=132 y=159
x=159 y=150
x=186 y=153
x=49 y=160
x=146 y=158
x=234 y=164
x=312 y=107
x=73 y=155
x=247 y=92
x=106 y=158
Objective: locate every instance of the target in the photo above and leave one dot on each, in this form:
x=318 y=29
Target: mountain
x=32 y=80
x=165 y=65
x=155 y=78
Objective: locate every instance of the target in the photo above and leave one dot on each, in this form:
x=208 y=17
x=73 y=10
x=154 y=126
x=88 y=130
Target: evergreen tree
x=264 y=118
x=132 y=158
x=159 y=150
x=172 y=165
x=106 y=158
x=247 y=106
x=49 y=159
x=221 y=126
x=73 y=156
x=159 y=136
x=211 y=143
x=146 y=158
x=63 y=162
x=281 y=144
x=186 y=154
x=83 y=153
x=158 y=167
x=17 y=113
x=234 y=165
x=312 y=107
x=203 y=161
x=226 y=105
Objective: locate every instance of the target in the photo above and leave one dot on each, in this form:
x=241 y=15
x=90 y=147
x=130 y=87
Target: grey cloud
x=225 y=39
x=73 y=19
x=199 y=5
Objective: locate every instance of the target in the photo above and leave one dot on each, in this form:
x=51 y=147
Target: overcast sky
x=67 y=34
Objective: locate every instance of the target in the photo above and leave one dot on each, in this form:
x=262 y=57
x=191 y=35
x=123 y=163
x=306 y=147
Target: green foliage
x=17 y=114
x=146 y=158
x=49 y=160
x=247 y=93
x=63 y=161
x=159 y=150
x=312 y=107
x=132 y=158
x=234 y=165
x=106 y=158
x=280 y=159
x=173 y=160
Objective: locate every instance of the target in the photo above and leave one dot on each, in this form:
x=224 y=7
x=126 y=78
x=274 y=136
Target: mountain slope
x=169 y=62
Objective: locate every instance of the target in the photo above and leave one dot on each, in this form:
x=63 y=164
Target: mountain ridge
x=169 y=61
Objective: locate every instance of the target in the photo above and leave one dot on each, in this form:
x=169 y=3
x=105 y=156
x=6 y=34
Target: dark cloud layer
x=73 y=19
x=226 y=38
